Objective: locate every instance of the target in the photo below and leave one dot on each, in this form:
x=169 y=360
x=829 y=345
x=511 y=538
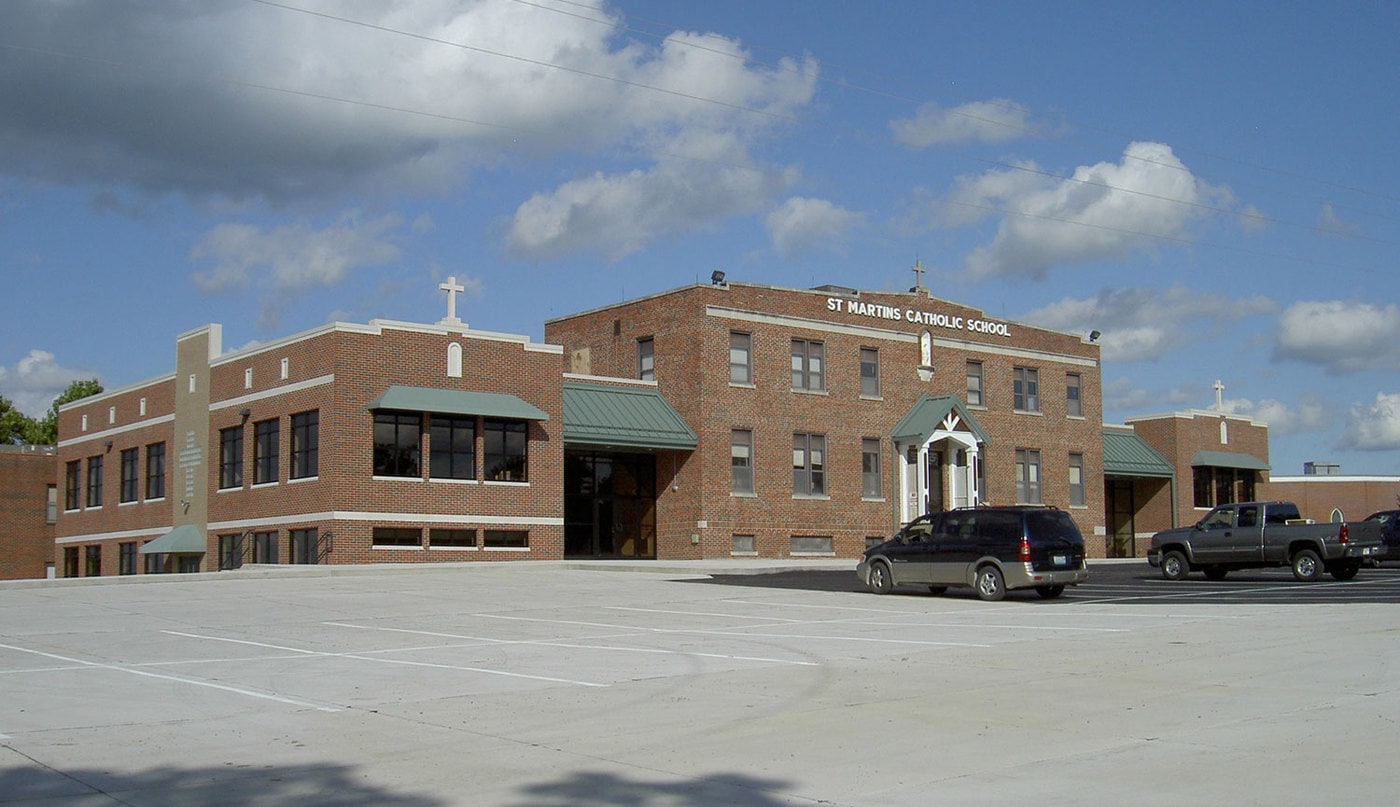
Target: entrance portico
x=938 y=446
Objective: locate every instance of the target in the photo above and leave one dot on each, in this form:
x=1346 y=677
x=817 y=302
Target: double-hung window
x=1026 y=390
x=808 y=365
x=974 y=384
x=231 y=457
x=870 y=483
x=306 y=444
x=1074 y=406
x=1027 y=476
x=740 y=357
x=808 y=464
x=869 y=372
x=266 y=438
x=1076 y=480
x=741 y=461
x=646 y=359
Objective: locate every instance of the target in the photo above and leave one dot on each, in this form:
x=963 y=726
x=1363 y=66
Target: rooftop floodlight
x=1094 y=336
x=717 y=277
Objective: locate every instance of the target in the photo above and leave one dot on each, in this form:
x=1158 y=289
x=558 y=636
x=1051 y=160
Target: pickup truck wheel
x=1344 y=569
x=1174 y=565
x=880 y=581
x=1307 y=566
x=1049 y=592
x=1215 y=572
x=990 y=585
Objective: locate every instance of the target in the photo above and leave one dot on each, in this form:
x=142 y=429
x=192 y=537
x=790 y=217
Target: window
x=870 y=465
x=446 y=538
x=126 y=558
x=265 y=547
x=398 y=438
x=1076 y=480
x=1027 y=476
x=504 y=443
x=646 y=359
x=266 y=434
x=131 y=463
x=304 y=544
x=869 y=372
x=155 y=471
x=306 y=444
x=72 y=481
x=740 y=358
x=405 y=537
x=1073 y=407
x=92 y=561
x=808 y=372
x=742 y=545
x=741 y=461
x=94 y=482
x=230 y=551
x=505 y=539
x=974 y=383
x=452 y=447
x=51 y=509
x=810 y=545
x=70 y=561
x=808 y=465
x=231 y=457
x=1212 y=486
x=1026 y=390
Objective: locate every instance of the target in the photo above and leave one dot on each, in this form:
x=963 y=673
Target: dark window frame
x=155 y=471
x=94 y=481
x=452 y=447
x=305 y=462
x=870 y=372
x=130 y=463
x=1025 y=389
x=976 y=393
x=505 y=449
x=231 y=457
x=267 y=442
x=646 y=358
x=808 y=365
x=398 y=444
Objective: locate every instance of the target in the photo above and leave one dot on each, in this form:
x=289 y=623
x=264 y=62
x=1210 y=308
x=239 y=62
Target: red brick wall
x=1178 y=437
x=26 y=536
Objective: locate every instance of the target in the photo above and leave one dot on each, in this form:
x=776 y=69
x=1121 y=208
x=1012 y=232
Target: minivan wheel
x=1307 y=566
x=1049 y=592
x=1174 y=565
x=990 y=586
x=880 y=581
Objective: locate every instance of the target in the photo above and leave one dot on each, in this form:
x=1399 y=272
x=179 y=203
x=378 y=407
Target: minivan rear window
x=1052 y=525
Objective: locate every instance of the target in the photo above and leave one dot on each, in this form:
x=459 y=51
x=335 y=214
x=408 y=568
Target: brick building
x=390 y=441
x=28 y=510
x=825 y=417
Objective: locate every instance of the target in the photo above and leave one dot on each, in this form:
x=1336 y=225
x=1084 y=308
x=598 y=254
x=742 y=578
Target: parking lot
x=555 y=684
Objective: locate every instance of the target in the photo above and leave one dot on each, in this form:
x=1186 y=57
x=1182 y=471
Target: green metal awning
x=930 y=414
x=1126 y=454
x=623 y=417
x=456 y=402
x=185 y=539
x=1228 y=459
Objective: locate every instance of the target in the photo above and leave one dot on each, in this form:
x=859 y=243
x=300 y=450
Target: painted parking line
x=736 y=632
x=365 y=657
x=575 y=645
x=177 y=679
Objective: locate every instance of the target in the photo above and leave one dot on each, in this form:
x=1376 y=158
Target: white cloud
x=1104 y=211
x=616 y=215
x=1375 y=426
x=1329 y=222
x=292 y=258
x=36 y=380
x=1144 y=324
x=1341 y=337
x=801 y=224
x=248 y=101
x=1310 y=414
x=1124 y=395
x=994 y=121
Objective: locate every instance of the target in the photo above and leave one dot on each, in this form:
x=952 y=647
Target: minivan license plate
x=1060 y=560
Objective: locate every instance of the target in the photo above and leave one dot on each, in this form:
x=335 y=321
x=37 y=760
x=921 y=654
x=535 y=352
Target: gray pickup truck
x=1251 y=535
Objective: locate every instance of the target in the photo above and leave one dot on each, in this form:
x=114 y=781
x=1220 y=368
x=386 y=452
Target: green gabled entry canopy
x=926 y=416
x=456 y=402
x=185 y=539
x=1228 y=459
x=1126 y=454
x=622 y=417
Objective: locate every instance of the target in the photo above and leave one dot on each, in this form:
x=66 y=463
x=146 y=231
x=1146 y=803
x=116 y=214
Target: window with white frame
x=740 y=357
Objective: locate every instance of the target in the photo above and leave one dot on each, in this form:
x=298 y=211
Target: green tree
x=15 y=426
x=46 y=430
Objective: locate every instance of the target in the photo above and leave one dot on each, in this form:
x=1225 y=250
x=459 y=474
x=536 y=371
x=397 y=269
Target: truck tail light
x=1342 y=534
x=1024 y=554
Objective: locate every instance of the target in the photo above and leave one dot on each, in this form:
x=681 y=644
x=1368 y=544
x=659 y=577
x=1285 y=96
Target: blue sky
x=1211 y=185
